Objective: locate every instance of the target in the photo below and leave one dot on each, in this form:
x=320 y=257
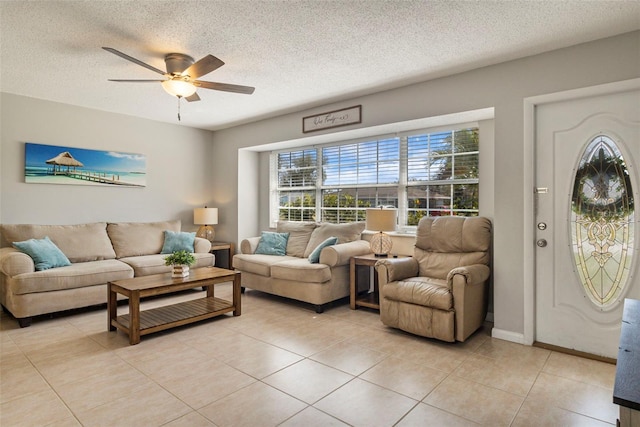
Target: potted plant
x=181 y=261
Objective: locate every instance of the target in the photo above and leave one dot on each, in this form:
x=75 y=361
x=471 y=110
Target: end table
x=369 y=299
x=224 y=252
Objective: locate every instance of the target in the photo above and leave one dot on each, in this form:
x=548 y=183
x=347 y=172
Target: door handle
x=541 y=243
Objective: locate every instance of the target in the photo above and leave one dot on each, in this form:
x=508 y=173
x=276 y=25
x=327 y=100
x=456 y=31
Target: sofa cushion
x=299 y=235
x=145 y=265
x=272 y=243
x=347 y=232
x=79 y=242
x=139 y=238
x=423 y=291
x=177 y=241
x=77 y=275
x=301 y=270
x=44 y=252
x=258 y=264
x=314 y=256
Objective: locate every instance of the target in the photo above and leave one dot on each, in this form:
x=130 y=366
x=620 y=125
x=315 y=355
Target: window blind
x=420 y=173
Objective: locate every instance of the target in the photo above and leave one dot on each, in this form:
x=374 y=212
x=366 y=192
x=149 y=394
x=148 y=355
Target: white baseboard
x=507 y=335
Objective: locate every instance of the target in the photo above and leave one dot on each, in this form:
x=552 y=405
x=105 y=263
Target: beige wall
x=178 y=170
x=503 y=86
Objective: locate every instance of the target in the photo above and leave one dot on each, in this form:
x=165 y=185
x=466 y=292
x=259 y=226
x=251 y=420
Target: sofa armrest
x=472 y=274
x=249 y=245
x=394 y=269
x=341 y=254
x=201 y=246
x=14 y=262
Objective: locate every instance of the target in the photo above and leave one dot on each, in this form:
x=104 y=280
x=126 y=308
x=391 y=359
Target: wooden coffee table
x=137 y=323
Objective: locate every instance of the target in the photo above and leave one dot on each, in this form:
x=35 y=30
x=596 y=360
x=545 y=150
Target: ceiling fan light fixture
x=178 y=88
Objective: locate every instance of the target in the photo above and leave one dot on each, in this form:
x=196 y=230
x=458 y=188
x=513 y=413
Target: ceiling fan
x=181 y=77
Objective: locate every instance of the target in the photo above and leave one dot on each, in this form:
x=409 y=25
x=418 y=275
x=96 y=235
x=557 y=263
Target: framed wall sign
x=332 y=119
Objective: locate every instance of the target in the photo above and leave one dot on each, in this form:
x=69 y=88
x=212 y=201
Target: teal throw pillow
x=272 y=243
x=314 y=257
x=44 y=252
x=177 y=241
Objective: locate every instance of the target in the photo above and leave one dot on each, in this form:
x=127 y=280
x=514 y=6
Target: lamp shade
x=381 y=219
x=205 y=216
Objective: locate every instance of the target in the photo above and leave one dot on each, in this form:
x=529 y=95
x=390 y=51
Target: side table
x=224 y=252
x=358 y=265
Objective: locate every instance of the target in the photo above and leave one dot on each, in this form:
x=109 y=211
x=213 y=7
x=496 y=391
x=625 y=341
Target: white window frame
x=402 y=179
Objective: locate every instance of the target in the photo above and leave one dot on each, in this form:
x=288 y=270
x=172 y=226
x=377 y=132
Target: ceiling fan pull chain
x=179 y=107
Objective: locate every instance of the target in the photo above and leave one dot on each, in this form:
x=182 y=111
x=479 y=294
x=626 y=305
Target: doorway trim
x=529 y=140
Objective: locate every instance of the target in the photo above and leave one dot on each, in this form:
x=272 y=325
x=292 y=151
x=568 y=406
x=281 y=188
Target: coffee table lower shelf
x=171 y=316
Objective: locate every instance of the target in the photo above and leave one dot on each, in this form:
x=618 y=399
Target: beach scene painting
x=52 y=164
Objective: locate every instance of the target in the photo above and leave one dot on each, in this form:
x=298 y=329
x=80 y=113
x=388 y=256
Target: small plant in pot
x=181 y=261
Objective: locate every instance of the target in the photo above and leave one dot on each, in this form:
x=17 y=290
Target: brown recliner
x=442 y=291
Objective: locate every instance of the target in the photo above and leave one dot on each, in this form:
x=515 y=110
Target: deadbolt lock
x=542 y=226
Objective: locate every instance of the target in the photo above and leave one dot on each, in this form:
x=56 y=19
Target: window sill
x=399 y=233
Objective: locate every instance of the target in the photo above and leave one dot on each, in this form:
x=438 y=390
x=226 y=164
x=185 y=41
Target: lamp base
x=206 y=232
x=381 y=244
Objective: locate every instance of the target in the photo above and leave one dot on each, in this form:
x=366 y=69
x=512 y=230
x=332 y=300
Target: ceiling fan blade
x=193 y=97
x=135 y=80
x=225 y=87
x=204 y=66
x=134 y=60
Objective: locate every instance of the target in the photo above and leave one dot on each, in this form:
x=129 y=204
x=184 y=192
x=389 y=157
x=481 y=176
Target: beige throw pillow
x=347 y=232
x=299 y=235
x=139 y=238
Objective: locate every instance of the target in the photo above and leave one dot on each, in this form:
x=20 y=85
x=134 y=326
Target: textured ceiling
x=295 y=53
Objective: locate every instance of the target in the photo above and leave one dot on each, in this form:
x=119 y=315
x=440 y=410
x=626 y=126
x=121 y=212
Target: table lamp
x=206 y=218
x=381 y=219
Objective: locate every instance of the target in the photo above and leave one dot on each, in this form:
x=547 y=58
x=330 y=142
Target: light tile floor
x=281 y=364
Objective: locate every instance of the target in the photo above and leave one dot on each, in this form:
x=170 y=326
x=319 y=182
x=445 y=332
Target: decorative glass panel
x=602 y=217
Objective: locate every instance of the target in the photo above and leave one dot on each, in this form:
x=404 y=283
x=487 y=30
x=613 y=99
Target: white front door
x=587 y=231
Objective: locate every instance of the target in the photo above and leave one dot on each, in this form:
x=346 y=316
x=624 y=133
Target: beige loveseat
x=99 y=253
x=292 y=275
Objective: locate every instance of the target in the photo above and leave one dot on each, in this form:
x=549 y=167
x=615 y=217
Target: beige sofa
x=292 y=275
x=99 y=253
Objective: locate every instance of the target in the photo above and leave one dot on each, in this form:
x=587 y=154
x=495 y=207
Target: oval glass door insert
x=602 y=218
